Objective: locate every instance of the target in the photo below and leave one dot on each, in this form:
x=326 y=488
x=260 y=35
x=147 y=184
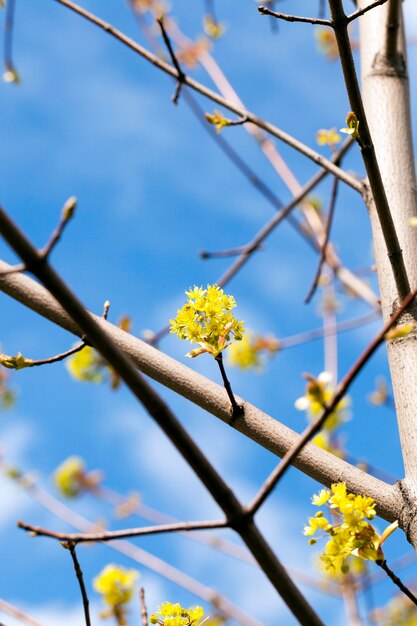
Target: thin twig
x=237 y=409
x=143 y=611
x=60 y=357
x=273 y=130
x=222 y=254
x=397 y=581
x=8 y=38
x=66 y=215
x=323 y=249
x=315 y=426
x=111 y=535
x=71 y=547
x=293 y=18
x=360 y=12
x=181 y=75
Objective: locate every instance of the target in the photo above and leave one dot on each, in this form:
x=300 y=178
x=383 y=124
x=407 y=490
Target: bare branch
x=356 y=14
x=322 y=257
x=293 y=18
x=18 y=614
x=143 y=611
x=255 y=424
x=181 y=75
x=111 y=535
x=341 y=391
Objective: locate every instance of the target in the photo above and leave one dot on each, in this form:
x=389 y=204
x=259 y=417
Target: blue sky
x=91 y=119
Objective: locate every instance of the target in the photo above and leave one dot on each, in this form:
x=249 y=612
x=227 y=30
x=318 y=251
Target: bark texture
x=385 y=89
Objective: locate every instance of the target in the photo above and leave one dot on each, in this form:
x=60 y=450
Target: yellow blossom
x=206 y=320
x=71 y=477
x=87 y=365
x=248 y=353
x=351 y=534
x=18 y=362
x=218 y=120
x=328 y=137
x=117 y=585
x=318 y=394
x=169 y=614
x=352 y=127
x=11 y=76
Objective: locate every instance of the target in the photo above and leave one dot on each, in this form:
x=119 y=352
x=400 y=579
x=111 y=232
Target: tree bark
x=385 y=89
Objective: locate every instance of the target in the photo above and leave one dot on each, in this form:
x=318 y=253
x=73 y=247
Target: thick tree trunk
x=387 y=104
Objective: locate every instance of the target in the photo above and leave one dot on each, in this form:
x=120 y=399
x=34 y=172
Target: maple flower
x=169 y=614
x=352 y=534
x=326 y=43
x=206 y=320
x=117 y=585
x=213 y=28
x=328 y=137
x=318 y=394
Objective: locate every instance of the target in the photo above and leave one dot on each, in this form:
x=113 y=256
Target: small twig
x=293 y=18
x=8 y=38
x=227 y=253
x=315 y=426
x=67 y=213
x=60 y=357
x=323 y=249
x=181 y=75
x=397 y=581
x=143 y=611
x=109 y=535
x=71 y=547
x=237 y=409
x=356 y=14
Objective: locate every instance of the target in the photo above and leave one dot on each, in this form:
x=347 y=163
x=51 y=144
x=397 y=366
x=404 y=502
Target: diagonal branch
x=255 y=424
x=293 y=18
x=163 y=416
x=341 y=391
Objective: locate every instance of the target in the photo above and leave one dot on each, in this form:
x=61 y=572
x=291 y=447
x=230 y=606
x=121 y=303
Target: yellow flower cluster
x=248 y=353
x=218 y=120
x=206 y=320
x=117 y=586
x=87 y=365
x=352 y=534
x=169 y=614
x=71 y=477
x=328 y=137
x=318 y=394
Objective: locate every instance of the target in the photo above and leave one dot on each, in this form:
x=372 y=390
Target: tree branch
x=293 y=18
x=255 y=424
x=163 y=416
x=78 y=572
